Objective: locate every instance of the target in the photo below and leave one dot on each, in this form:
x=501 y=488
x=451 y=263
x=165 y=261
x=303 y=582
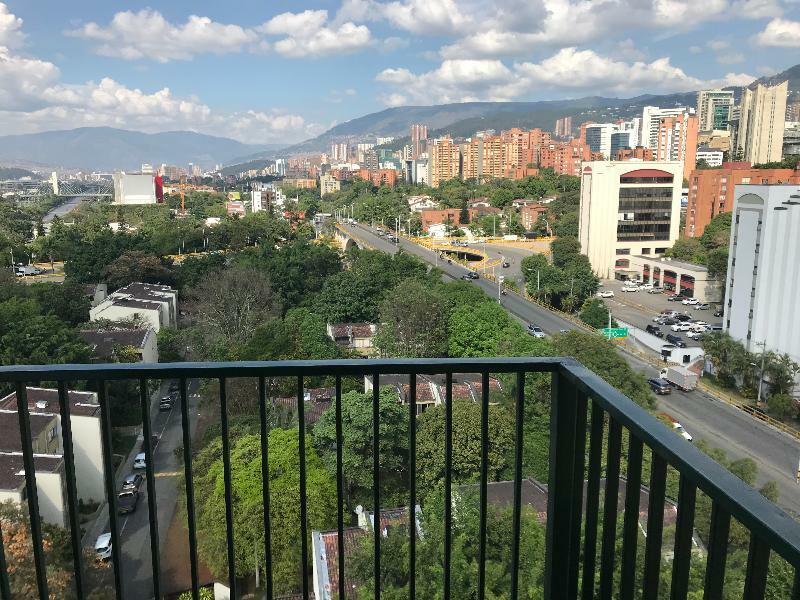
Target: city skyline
x=232 y=71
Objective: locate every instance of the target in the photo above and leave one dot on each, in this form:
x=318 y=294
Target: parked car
x=695 y=335
x=690 y=301
x=166 y=403
x=653 y=330
x=660 y=386
x=605 y=294
x=631 y=282
x=683 y=317
x=132 y=482
x=718 y=312
x=646 y=286
x=127 y=501
x=667 y=321
x=715 y=327
x=139 y=461
x=675 y=340
x=655 y=290
x=702 y=306
x=535 y=331
x=505 y=264
x=681 y=327
x=674 y=298
x=102 y=547
x=630 y=288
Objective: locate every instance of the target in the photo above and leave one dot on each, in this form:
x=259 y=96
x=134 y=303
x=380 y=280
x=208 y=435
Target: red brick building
x=565 y=158
x=638 y=153
x=453 y=215
x=530 y=213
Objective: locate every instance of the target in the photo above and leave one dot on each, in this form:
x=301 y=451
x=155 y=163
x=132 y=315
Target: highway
x=62 y=209
x=721 y=425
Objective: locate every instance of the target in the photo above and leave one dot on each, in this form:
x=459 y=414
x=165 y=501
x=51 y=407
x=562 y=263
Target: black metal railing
x=589 y=421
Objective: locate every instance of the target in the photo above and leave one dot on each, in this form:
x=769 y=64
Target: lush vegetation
x=710 y=249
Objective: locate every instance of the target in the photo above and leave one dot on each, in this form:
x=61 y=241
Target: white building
x=50 y=484
x=104 y=343
x=759 y=128
x=651 y=120
x=714 y=109
x=598 y=137
x=328 y=184
x=156 y=304
x=132 y=188
x=712 y=156
x=763 y=277
x=628 y=209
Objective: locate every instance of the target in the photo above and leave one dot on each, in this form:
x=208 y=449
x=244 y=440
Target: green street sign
x=615 y=332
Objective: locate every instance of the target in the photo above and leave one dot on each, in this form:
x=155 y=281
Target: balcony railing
x=589 y=420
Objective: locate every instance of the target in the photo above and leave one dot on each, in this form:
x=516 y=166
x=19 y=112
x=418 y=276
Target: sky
x=280 y=72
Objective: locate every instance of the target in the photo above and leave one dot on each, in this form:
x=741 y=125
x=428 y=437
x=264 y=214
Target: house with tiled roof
x=353 y=336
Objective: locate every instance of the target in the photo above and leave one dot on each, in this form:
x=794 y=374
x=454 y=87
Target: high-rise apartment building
x=762 y=284
x=677 y=140
x=371 y=160
x=563 y=128
x=793 y=112
x=711 y=191
x=651 y=121
x=565 y=158
x=483 y=158
x=759 y=129
x=339 y=152
x=444 y=161
x=598 y=137
x=419 y=133
x=628 y=209
x=328 y=184
x=714 y=109
x=620 y=140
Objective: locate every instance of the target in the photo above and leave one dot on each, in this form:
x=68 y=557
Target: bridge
x=345 y=240
x=69 y=188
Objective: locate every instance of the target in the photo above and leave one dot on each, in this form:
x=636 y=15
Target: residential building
x=147 y=169
x=759 y=128
x=361 y=150
x=156 y=305
x=711 y=156
x=132 y=188
x=353 y=336
x=46 y=426
x=637 y=153
x=444 y=161
x=235 y=208
x=106 y=344
x=339 y=152
x=793 y=112
x=303 y=183
x=328 y=184
x=520 y=172
x=420 y=203
x=380 y=141
x=171 y=172
x=677 y=141
x=563 y=128
x=419 y=135
x=565 y=158
x=651 y=123
x=452 y=216
x=791 y=140
x=483 y=158
x=281 y=167
x=716 y=140
x=714 y=109
x=50 y=482
x=381 y=177
x=620 y=140
x=530 y=213
x=763 y=285
x=711 y=191
x=628 y=209
x=371 y=161
x=598 y=138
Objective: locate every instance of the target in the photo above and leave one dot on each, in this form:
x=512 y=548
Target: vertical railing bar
x=655 y=528
x=376 y=481
x=72 y=488
x=684 y=530
x=189 y=482
x=592 y=503
x=340 y=489
x=448 y=478
x=796 y=585
x=262 y=409
x=301 y=418
x=108 y=468
x=717 y=552
x=226 y=473
x=483 y=484
x=630 y=524
x=577 y=495
x=412 y=486
x=32 y=491
x=755 y=583
x=517 y=514
x=610 y=500
x=147 y=432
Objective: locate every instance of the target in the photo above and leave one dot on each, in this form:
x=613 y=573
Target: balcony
x=599 y=442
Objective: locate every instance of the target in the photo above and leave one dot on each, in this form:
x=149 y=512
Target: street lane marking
x=167 y=474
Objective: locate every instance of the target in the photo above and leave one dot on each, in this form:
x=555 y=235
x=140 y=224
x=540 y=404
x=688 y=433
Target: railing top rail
x=286 y=368
x=766 y=520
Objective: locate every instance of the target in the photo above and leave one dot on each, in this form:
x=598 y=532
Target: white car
x=139 y=461
x=681 y=327
x=699 y=323
x=630 y=288
x=102 y=547
x=694 y=335
x=681 y=431
x=605 y=294
x=646 y=286
x=690 y=301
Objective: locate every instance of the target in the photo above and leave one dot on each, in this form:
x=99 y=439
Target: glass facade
x=644 y=213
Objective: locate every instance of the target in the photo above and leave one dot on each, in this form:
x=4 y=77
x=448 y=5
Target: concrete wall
x=116 y=312
x=52 y=497
x=150 y=349
x=87 y=447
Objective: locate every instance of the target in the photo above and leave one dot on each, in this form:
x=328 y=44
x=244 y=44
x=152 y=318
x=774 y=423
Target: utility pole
x=761 y=377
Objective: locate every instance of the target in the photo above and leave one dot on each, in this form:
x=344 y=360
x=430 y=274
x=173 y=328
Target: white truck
x=22 y=270
x=681 y=377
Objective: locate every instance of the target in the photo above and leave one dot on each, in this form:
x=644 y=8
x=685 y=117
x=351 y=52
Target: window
x=623 y=251
x=51 y=434
x=645 y=250
x=661 y=250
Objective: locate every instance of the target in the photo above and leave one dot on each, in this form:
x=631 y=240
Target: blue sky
x=265 y=72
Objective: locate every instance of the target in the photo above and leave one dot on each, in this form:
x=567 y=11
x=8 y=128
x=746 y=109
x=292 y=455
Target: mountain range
x=105 y=148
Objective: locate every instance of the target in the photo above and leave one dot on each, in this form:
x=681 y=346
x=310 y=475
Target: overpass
x=345 y=240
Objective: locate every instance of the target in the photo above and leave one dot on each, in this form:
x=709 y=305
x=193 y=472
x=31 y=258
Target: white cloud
x=309 y=35
x=780 y=32
x=568 y=72
x=11 y=34
x=730 y=58
x=718 y=45
x=392 y=100
x=148 y=35
x=425 y=16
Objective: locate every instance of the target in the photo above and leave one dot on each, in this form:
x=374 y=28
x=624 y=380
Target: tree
x=477 y=330
x=357 y=440
x=231 y=303
x=780 y=405
x=309 y=336
x=66 y=300
x=284 y=467
x=595 y=313
x=42 y=340
x=564 y=250
x=413 y=322
x=466 y=443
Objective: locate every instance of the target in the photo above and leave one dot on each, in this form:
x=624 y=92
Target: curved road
x=62 y=209
x=723 y=426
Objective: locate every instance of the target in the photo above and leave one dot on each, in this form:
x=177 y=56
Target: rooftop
x=12 y=468
x=10 y=440
x=81 y=403
x=103 y=342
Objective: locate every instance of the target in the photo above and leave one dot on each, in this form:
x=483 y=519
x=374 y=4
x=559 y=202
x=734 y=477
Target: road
x=134 y=529
x=62 y=209
x=723 y=426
